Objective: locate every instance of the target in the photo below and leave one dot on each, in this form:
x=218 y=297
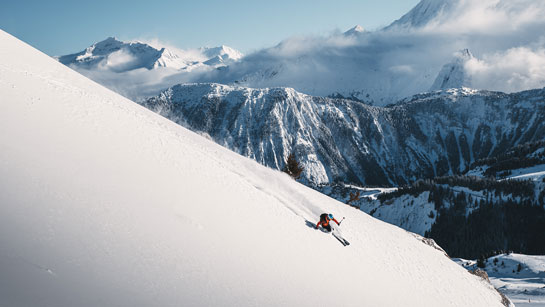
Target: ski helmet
x=330 y=216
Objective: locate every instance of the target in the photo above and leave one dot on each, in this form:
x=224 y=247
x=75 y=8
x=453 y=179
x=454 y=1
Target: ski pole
x=341 y=221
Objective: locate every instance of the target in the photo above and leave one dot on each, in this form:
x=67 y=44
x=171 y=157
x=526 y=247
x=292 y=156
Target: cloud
x=512 y=70
x=380 y=67
x=493 y=17
x=138 y=84
x=383 y=66
x=120 y=60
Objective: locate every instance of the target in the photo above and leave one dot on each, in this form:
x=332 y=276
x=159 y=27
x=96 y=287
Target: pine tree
x=292 y=167
x=481 y=262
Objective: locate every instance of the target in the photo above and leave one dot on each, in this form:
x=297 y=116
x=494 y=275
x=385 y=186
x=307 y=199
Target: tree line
x=500 y=216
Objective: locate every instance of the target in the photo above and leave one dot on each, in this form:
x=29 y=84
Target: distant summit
x=119 y=56
x=423 y=13
x=355 y=30
x=453 y=74
x=220 y=55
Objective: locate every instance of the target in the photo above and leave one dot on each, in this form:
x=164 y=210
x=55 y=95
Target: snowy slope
x=423 y=13
x=534 y=173
x=105 y=203
x=525 y=287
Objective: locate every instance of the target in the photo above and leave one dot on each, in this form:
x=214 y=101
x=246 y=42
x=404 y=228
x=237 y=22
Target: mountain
x=379 y=67
x=454 y=74
x=356 y=30
x=139 y=70
x=339 y=140
x=120 y=56
x=424 y=13
x=106 y=203
x=467 y=16
x=221 y=55
x=408 y=57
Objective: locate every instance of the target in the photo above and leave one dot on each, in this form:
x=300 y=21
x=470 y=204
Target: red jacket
x=325 y=222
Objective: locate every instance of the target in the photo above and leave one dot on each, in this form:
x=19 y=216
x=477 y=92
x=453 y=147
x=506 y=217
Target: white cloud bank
x=512 y=70
x=506 y=37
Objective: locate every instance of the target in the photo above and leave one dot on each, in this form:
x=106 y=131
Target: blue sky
x=62 y=27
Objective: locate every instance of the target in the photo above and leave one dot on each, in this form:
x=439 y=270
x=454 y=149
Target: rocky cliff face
x=340 y=140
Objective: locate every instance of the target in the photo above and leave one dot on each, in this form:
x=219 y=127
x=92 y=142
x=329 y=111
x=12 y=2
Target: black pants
x=328 y=227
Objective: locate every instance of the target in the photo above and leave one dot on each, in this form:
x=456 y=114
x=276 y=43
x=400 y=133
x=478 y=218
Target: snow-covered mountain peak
x=453 y=74
x=108 y=45
x=222 y=50
x=221 y=55
x=119 y=56
x=423 y=13
x=355 y=30
x=464 y=54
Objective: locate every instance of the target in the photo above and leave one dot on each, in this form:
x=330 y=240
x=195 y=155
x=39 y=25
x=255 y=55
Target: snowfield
x=534 y=173
x=104 y=203
x=526 y=287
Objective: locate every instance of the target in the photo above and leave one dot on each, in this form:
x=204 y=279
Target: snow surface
x=104 y=203
x=524 y=288
x=371 y=193
x=415 y=214
x=534 y=173
x=423 y=13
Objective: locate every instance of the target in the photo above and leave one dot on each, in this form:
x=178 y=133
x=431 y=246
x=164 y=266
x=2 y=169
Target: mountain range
x=138 y=69
x=113 y=54
x=338 y=140
x=412 y=55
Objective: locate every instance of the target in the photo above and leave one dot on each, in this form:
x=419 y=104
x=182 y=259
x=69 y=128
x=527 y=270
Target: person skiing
x=325 y=219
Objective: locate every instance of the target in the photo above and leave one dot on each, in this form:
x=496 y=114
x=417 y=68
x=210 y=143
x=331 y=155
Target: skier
x=325 y=219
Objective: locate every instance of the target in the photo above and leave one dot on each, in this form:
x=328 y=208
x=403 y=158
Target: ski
x=341 y=239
